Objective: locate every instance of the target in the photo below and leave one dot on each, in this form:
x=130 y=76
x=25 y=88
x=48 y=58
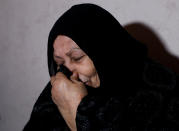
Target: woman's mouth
x=84 y=79
x=85 y=82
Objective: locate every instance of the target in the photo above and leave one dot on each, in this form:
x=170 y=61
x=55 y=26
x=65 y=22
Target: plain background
x=24 y=29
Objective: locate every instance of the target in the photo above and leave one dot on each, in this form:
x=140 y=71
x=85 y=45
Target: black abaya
x=135 y=91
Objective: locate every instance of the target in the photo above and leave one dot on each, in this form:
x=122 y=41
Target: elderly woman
x=102 y=79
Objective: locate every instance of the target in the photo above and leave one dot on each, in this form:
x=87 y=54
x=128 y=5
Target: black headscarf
x=117 y=56
x=143 y=92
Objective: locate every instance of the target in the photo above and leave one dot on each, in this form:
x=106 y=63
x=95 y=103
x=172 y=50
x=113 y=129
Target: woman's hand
x=67 y=94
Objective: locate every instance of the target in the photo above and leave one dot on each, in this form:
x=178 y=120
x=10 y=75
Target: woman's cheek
x=86 y=68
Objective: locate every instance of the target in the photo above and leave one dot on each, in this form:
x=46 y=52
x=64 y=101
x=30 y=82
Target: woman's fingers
x=59 y=78
x=60 y=75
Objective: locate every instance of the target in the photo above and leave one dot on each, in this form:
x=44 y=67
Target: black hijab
x=117 y=56
x=149 y=89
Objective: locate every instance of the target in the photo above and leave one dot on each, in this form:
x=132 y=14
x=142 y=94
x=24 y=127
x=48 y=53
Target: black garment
x=134 y=91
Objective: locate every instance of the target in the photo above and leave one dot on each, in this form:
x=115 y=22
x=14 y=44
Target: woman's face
x=68 y=53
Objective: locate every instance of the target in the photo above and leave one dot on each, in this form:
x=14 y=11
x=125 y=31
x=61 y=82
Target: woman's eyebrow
x=68 y=53
x=58 y=57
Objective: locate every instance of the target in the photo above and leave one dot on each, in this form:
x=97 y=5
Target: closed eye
x=79 y=58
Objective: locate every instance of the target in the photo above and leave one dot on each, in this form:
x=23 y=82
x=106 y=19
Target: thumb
x=74 y=77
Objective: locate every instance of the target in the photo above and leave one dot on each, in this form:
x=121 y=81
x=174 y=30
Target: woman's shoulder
x=159 y=76
x=156 y=102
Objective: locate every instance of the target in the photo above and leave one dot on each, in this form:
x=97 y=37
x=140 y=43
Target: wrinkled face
x=68 y=53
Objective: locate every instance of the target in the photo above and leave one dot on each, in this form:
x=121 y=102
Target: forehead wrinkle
x=69 y=52
x=60 y=45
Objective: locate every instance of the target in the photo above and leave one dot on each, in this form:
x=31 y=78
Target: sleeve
x=172 y=108
x=143 y=111
x=45 y=115
x=99 y=113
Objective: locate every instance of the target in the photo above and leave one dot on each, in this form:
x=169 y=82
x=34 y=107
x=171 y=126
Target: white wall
x=24 y=28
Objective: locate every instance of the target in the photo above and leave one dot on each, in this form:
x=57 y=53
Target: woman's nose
x=70 y=66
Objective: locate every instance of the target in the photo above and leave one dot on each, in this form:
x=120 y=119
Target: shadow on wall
x=156 y=49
